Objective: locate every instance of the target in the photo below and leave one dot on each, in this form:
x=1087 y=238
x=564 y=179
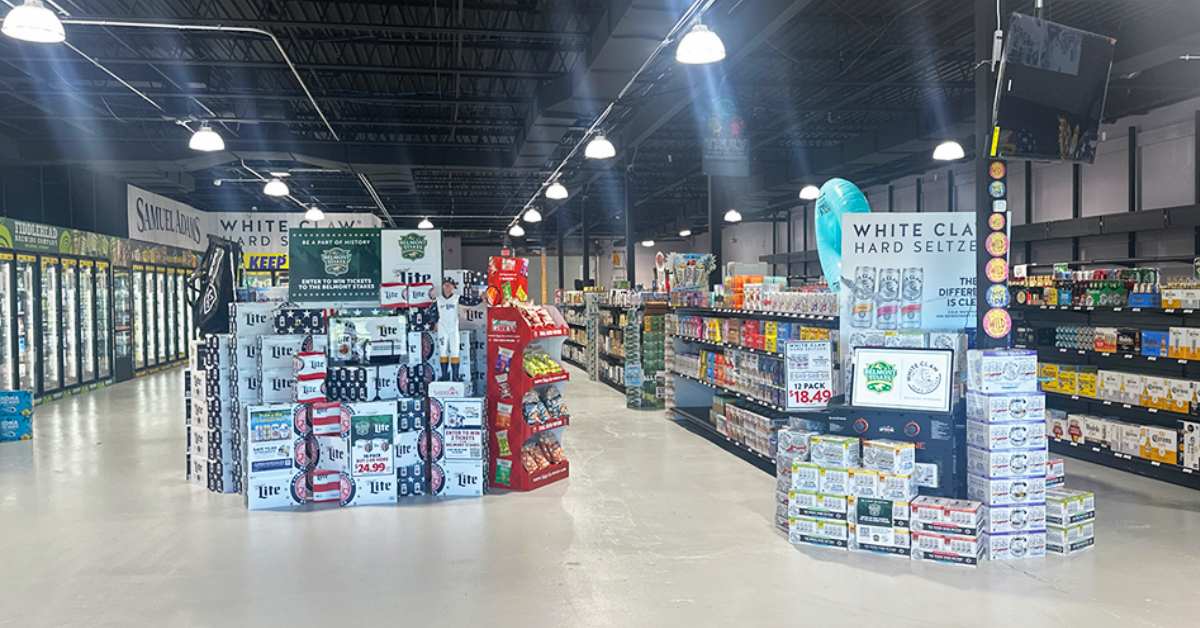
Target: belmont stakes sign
x=334 y=266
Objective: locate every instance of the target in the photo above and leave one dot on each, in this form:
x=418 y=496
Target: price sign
x=809 y=374
x=371 y=444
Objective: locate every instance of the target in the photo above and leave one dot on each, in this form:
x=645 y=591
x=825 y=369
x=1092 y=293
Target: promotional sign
x=371 y=439
x=726 y=145
x=340 y=265
x=270 y=232
x=809 y=374
x=906 y=273
x=264 y=261
x=412 y=267
x=838 y=198
x=156 y=218
x=903 y=379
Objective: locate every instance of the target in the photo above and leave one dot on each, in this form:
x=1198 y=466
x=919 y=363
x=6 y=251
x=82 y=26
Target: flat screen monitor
x=1051 y=91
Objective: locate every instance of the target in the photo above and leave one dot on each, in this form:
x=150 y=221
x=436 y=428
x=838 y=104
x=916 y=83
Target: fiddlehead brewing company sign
x=333 y=265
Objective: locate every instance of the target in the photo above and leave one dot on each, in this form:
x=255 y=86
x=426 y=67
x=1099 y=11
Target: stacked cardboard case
x=1007 y=450
x=1070 y=521
x=214 y=429
x=853 y=494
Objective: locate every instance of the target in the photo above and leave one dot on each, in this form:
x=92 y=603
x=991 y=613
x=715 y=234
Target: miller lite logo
x=466 y=480
x=377 y=487
x=266 y=491
x=281 y=352
x=254 y=319
x=278 y=384
x=336 y=455
x=387 y=331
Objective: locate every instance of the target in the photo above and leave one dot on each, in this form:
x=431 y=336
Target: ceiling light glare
x=425 y=224
x=276 y=187
x=557 y=192
x=648 y=243
x=517 y=231
x=33 y=22
x=949 y=151
x=206 y=140
x=810 y=193
x=314 y=214
x=600 y=148
x=532 y=215
x=685 y=233
x=733 y=215
x=700 y=47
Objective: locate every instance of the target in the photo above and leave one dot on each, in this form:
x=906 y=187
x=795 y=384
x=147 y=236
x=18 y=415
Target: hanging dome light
x=648 y=243
x=314 y=214
x=276 y=187
x=557 y=192
x=700 y=46
x=733 y=215
x=206 y=140
x=33 y=22
x=517 y=231
x=810 y=193
x=949 y=151
x=600 y=148
x=425 y=224
x=685 y=233
x=532 y=215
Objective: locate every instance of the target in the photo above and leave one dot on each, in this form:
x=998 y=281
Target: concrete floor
x=657 y=527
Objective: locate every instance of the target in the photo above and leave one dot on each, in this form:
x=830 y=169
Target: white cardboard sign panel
x=903 y=379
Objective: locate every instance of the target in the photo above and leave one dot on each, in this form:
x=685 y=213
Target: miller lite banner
x=412 y=267
x=334 y=265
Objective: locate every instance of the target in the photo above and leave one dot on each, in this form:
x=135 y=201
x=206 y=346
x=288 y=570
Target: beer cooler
x=161 y=320
x=123 y=337
x=8 y=332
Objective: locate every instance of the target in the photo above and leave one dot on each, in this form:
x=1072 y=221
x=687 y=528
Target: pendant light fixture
x=810 y=193
x=648 y=243
x=733 y=215
x=206 y=140
x=949 y=150
x=314 y=214
x=600 y=148
x=700 y=46
x=532 y=215
x=685 y=233
x=517 y=231
x=276 y=188
x=33 y=22
x=425 y=224
x=557 y=191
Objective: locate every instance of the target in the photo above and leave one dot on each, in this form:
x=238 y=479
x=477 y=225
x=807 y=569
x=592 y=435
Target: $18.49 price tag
x=809 y=374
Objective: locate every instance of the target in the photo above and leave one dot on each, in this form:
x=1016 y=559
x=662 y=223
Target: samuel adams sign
x=156 y=218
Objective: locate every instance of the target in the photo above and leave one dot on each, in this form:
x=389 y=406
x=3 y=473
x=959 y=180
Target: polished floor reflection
x=657 y=527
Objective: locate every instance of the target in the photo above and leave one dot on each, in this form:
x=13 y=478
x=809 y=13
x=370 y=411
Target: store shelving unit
x=693 y=395
x=507 y=385
x=1101 y=455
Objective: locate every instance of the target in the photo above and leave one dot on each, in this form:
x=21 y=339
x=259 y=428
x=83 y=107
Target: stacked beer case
x=214 y=434
x=792 y=446
x=1007 y=450
x=1070 y=521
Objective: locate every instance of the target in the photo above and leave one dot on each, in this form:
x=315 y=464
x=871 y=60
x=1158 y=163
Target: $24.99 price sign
x=809 y=374
x=378 y=466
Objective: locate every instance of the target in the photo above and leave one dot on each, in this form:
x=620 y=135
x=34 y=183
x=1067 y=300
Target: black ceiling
x=459 y=108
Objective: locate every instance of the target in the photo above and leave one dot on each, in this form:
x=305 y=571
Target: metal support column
x=1077 y=203
x=1028 y=208
x=630 y=242
x=790 y=244
x=1134 y=185
x=951 y=202
x=774 y=241
x=587 y=244
x=920 y=195
x=716 y=221
x=805 y=247
x=891 y=198
x=562 y=274
x=984 y=88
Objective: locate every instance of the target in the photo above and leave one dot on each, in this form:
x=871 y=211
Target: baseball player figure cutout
x=447 y=330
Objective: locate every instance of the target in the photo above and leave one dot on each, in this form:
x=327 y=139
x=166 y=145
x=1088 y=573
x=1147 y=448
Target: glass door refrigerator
x=71 y=350
x=26 y=335
x=104 y=318
x=87 y=321
x=181 y=331
x=160 y=318
x=125 y=344
x=139 y=319
x=170 y=327
x=51 y=325
x=8 y=337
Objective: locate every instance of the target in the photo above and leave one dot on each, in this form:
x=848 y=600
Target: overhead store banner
x=334 y=266
x=412 y=267
x=726 y=147
x=268 y=232
x=906 y=273
x=156 y=218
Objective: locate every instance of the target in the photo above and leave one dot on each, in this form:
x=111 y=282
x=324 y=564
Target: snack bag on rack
x=555 y=405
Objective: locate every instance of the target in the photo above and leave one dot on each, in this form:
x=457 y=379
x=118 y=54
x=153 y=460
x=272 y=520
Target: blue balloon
x=838 y=197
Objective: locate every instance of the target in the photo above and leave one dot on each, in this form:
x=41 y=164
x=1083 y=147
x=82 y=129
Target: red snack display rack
x=513 y=332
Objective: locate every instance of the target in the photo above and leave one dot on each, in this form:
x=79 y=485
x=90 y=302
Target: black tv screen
x=1051 y=91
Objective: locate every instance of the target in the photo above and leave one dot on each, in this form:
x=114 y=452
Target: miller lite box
x=372 y=437
x=458 y=478
x=387 y=382
x=411 y=480
x=252 y=319
x=276 y=352
x=278 y=386
x=276 y=490
x=290 y=320
x=245 y=354
x=372 y=490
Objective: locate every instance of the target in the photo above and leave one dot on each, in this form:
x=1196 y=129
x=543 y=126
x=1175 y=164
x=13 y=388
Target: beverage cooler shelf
x=1097 y=454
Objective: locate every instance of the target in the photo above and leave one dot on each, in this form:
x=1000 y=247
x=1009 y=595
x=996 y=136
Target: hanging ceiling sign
x=726 y=147
x=158 y=219
x=334 y=266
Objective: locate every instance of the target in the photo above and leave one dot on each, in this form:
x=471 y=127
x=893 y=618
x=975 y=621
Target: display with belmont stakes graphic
x=412 y=267
x=334 y=265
